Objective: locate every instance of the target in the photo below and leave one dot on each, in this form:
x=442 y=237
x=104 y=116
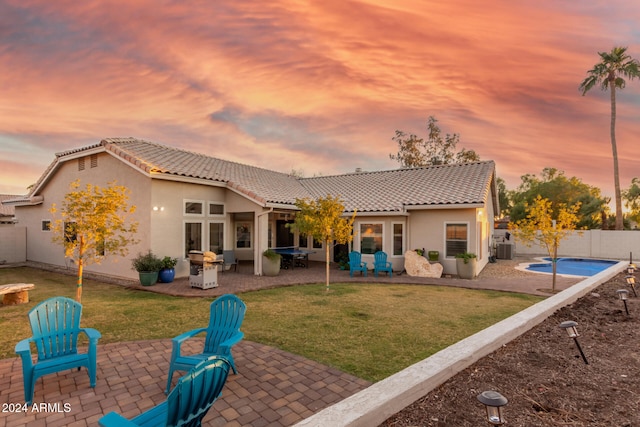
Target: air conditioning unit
x=505 y=251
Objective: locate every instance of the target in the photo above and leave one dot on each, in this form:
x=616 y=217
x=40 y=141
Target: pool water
x=573 y=266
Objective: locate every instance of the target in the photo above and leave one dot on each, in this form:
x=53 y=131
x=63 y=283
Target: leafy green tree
x=547 y=227
x=93 y=223
x=632 y=200
x=556 y=187
x=610 y=74
x=323 y=220
x=436 y=150
x=504 y=197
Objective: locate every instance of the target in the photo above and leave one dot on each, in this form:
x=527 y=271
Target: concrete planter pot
x=270 y=266
x=466 y=270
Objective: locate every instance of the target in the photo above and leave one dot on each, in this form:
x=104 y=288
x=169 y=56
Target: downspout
x=257 y=255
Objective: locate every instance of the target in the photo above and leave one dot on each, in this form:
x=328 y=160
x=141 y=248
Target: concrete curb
x=385 y=398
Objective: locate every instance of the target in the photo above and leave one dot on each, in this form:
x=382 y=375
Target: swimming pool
x=573 y=266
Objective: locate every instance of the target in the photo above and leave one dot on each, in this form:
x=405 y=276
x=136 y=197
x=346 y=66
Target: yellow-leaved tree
x=323 y=220
x=93 y=223
x=547 y=227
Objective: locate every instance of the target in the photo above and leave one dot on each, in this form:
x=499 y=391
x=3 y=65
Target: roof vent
x=358 y=170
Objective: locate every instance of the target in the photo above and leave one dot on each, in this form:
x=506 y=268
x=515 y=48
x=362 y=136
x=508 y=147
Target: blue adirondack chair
x=380 y=263
x=55 y=325
x=356 y=264
x=188 y=402
x=223 y=332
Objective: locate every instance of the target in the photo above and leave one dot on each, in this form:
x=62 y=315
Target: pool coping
x=373 y=405
x=523 y=266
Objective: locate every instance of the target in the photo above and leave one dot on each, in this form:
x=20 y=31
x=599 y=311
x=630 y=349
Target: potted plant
x=343 y=261
x=167 y=270
x=271 y=262
x=148 y=267
x=466 y=265
x=434 y=256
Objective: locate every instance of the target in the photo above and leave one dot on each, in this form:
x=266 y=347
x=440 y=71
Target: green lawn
x=368 y=330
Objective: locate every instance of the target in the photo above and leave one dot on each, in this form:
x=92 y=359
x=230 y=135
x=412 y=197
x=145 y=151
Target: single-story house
x=191 y=201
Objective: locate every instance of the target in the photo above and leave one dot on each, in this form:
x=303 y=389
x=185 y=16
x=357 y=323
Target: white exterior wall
x=13 y=246
x=387 y=239
x=427 y=230
x=40 y=247
x=608 y=244
x=169 y=219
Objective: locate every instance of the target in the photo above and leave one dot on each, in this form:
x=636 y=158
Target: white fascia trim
x=381 y=213
x=451 y=206
x=185 y=179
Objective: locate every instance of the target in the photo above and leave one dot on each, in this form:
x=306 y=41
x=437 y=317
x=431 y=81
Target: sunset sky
x=317 y=86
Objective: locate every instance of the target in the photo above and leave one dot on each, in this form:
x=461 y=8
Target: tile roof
x=263 y=185
x=383 y=191
x=397 y=190
x=7 y=210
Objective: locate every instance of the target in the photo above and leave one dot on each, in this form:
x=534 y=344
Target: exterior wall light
x=156 y=208
x=572 y=331
x=631 y=281
x=493 y=402
x=623 y=294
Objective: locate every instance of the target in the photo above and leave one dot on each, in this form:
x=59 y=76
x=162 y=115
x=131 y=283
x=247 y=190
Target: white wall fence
x=13 y=244
x=608 y=244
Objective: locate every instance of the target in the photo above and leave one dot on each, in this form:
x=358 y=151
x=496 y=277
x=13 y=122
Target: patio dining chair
x=356 y=264
x=55 y=325
x=188 y=402
x=230 y=260
x=222 y=333
x=380 y=263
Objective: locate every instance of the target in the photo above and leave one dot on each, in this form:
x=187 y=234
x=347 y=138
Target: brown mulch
x=543 y=376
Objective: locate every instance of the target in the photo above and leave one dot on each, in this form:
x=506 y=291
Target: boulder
x=419 y=266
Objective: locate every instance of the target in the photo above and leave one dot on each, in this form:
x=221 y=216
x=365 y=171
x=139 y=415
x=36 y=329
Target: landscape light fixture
x=631 y=281
x=572 y=331
x=623 y=294
x=493 y=402
x=631 y=269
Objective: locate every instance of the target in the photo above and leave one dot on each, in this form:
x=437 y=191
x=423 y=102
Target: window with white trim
x=371 y=237
x=192 y=237
x=456 y=239
x=194 y=207
x=216 y=237
x=216 y=209
x=243 y=235
x=398 y=238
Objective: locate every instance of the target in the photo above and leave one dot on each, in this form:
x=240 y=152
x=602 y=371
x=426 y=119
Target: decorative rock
x=419 y=266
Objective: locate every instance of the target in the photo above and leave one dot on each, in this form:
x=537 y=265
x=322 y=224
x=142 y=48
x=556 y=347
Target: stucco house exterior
x=190 y=201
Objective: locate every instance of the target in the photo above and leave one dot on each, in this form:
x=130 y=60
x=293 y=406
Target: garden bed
x=543 y=376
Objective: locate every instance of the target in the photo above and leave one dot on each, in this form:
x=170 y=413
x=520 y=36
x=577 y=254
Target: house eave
x=446 y=206
x=377 y=213
x=25 y=201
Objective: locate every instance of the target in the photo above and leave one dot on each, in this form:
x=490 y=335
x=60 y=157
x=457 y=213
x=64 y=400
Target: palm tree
x=609 y=74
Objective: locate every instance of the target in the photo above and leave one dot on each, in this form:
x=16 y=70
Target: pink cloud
x=322 y=80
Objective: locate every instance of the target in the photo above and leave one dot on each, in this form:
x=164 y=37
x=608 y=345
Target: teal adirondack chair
x=356 y=264
x=188 y=402
x=223 y=332
x=55 y=325
x=380 y=263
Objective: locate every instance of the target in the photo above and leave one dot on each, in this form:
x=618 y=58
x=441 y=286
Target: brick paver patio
x=272 y=387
